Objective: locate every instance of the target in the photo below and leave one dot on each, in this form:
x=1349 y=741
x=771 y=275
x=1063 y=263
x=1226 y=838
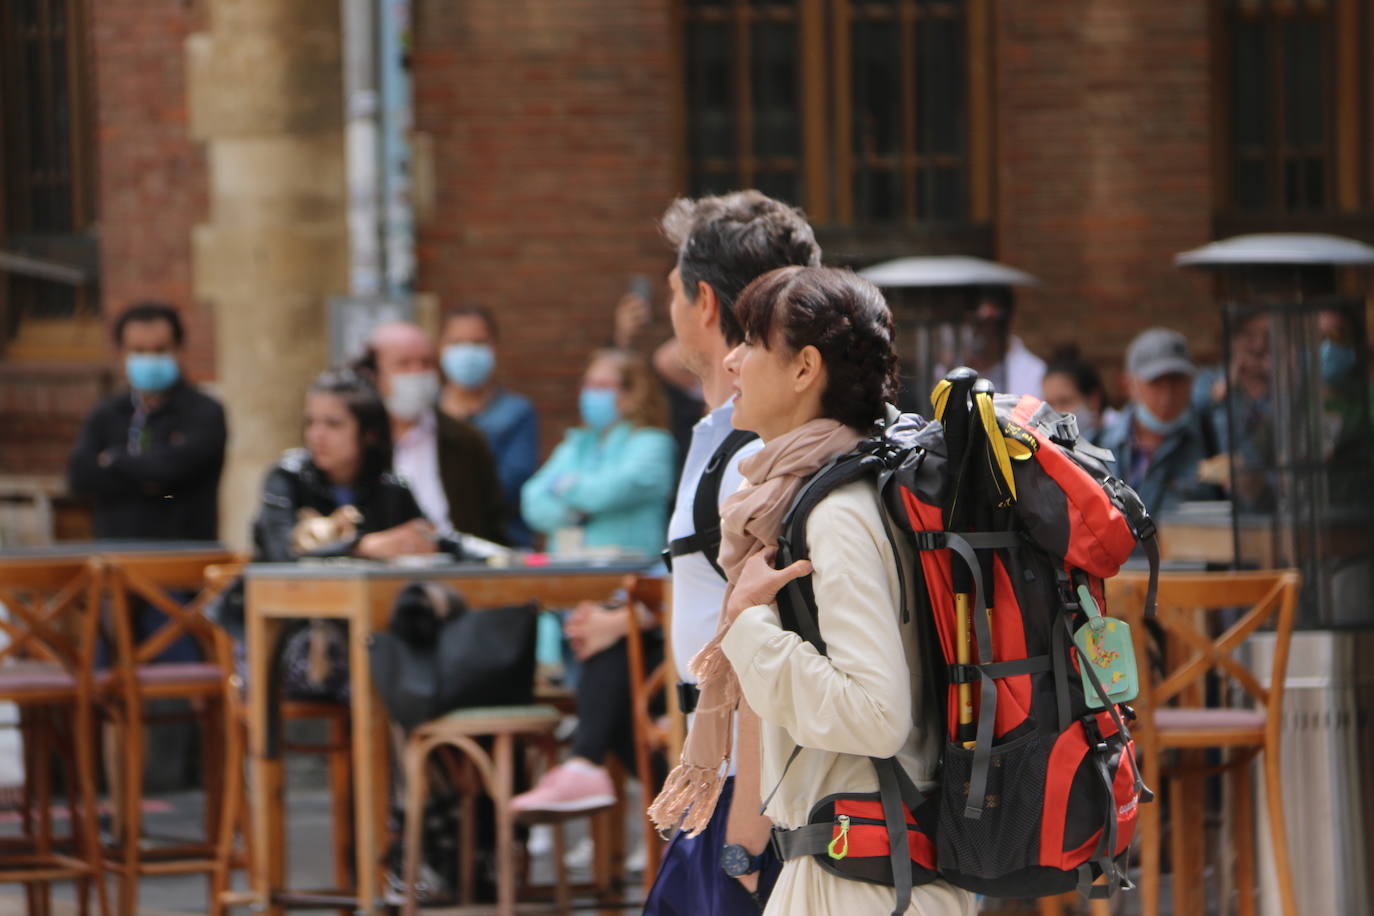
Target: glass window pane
x=942 y=195
x=711 y=114
x=877 y=196
x=774 y=78
x=1304 y=91
x=785 y=186
x=941 y=76
x=1251 y=101
x=703 y=182
x=877 y=79
x=1250 y=176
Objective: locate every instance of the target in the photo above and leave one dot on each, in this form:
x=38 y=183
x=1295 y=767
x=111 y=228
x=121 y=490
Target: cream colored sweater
x=865 y=698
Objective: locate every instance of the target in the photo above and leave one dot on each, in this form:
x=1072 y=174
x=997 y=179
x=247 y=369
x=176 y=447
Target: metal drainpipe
x=362 y=147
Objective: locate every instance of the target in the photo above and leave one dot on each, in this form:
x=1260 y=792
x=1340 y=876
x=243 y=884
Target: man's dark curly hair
x=727 y=241
x=844 y=317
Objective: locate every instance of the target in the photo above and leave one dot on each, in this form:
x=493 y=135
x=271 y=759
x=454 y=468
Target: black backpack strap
x=797 y=600
x=705 y=536
x=894 y=817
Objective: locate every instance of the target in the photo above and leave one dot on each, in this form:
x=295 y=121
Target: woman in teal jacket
x=612 y=476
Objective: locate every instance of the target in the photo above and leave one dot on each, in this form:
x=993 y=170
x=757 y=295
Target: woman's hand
x=759 y=582
x=412 y=537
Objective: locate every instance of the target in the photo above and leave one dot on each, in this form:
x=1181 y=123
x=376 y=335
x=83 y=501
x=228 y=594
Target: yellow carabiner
x=844 y=835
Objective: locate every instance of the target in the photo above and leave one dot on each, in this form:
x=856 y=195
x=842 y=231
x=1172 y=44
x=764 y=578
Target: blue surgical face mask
x=468 y=365
x=1159 y=427
x=598 y=407
x=1337 y=359
x=151 y=372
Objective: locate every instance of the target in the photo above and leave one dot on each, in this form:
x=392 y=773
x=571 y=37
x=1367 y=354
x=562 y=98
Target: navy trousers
x=690 y=882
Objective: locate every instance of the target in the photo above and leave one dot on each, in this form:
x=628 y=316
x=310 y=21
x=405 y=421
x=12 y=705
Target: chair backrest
x=155 y=579
x=1187 y=604
x=51 y=612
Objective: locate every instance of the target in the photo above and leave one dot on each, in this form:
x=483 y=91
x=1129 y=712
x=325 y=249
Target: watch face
x=735 y=860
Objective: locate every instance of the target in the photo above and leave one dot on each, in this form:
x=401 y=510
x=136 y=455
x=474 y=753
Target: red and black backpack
x=1013 y=518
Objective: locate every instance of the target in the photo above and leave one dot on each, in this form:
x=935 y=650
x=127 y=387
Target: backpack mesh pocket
x=1006 y=837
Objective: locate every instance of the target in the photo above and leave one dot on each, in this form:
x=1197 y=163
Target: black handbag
x=437 y=655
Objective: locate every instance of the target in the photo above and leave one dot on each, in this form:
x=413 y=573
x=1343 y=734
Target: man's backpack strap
x=894 y=816
x=705 y=536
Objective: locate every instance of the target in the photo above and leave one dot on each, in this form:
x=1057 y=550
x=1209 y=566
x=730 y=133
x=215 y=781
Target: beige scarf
x=750 y=521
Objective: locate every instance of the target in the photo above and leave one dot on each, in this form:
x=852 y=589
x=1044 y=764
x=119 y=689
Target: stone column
x=266 y=99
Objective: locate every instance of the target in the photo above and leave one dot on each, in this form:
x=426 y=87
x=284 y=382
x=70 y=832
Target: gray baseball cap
x=1158 y=352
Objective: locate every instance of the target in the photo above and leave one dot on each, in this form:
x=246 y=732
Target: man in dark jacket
x=150 y=457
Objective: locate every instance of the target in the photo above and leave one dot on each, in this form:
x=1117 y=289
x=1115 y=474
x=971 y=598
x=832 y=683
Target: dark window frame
x=828 y=162
x=47 y=181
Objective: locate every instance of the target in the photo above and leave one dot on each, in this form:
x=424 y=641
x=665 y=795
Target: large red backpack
x=1013 y=519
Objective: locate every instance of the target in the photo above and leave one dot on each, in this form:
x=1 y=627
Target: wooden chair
x=47 y=670
x=1174 y=718
x=464 y=731
x=652 y=735
x=135 y=679
x=337 y=748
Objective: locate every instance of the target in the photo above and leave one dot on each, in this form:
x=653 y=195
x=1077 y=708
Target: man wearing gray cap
x=1159 y=441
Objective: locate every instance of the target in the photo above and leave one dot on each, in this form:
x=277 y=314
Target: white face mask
x=412 y=393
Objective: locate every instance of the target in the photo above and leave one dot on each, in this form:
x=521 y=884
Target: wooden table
x=361 y=593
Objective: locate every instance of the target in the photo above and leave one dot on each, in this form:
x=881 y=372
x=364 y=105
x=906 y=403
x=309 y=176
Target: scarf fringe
x=688 y=798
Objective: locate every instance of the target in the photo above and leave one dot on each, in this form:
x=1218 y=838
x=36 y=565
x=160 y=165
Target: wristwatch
x=735 y=861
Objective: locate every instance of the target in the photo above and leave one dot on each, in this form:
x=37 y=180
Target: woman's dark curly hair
x=844 y=317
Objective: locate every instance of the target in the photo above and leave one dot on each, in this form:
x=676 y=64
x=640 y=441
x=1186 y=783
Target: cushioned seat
x=1194 y=719
x=195 y=673
x=35 y=677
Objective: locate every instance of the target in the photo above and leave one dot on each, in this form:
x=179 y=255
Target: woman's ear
x=809 y=368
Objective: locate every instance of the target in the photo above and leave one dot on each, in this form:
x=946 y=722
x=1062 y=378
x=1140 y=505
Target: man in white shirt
x=722 y=244
x=446 y=462
x=995 y=352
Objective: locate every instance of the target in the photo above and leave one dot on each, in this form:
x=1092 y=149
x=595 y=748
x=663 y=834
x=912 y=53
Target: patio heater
x=1300 y=438
x=934 y=300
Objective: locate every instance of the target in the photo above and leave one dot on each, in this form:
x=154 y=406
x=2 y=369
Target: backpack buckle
x=930 y=540
x=1093 y=731
x=964 y=674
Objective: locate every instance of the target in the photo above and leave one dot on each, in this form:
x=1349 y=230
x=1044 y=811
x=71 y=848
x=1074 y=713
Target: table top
x=347 y=568
x=83 y=549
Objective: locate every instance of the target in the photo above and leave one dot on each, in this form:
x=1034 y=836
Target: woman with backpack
x=812 y=377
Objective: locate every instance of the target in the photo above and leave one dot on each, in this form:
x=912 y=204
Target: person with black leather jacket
x=338 y=496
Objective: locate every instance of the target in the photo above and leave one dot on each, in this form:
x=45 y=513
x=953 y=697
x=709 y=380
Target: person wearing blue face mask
x=1159 y=441
x=150 y=458
x=611 y=477
x=471 y=393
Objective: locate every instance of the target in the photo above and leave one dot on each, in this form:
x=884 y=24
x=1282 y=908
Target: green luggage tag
x=1105 y=643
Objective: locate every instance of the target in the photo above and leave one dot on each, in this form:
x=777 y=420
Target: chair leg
x=503 y=756
x=562 y=890
x=341 y=803
x=1278 y=830
x=230 y=816
x=87 y=798
x=43 y=790
x=1242 y=807
x=467 y=836
x=414 y=763
x=1187 y=846
x=132 y=807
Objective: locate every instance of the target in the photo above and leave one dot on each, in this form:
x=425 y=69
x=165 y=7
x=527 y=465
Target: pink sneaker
x=574 y=786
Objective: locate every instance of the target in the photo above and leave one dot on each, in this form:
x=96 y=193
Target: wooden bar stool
x=1175 y=721
x=460 y=730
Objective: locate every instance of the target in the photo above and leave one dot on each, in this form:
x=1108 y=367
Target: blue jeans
x=690 y=881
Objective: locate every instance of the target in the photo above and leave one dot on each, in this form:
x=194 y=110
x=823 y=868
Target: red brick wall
x=150 y=192
x=152 y=182
x=1103 y=168
x=553 y=134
